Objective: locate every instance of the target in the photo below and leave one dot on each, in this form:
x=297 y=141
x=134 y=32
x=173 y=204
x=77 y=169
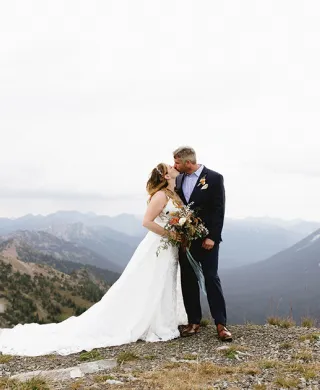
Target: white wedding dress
x=145 y=303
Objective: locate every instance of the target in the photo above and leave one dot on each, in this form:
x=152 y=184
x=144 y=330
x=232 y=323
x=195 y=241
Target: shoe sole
x=228 y=340
x=189 y=334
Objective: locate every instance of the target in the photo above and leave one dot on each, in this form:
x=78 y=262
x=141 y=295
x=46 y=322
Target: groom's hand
x=207 y=244
x=175 y=236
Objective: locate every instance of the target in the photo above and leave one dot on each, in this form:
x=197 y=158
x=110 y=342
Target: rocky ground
x=261 y=357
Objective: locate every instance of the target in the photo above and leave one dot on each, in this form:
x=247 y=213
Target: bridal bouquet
x=183 y=227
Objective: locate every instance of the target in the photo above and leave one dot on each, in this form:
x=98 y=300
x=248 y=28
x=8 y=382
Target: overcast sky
x=93 y=94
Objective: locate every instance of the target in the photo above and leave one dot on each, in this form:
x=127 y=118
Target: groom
x=205 y=189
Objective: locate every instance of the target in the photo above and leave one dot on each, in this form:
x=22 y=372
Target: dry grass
x=286 y=323
x=31 y=384
x=5 y=359
x=249 y=369
x=287 y=382
x=296 y=367
x=311 y=337
x=149 y=357
x=232 y=351
x=308 y=322
x=273 y=321
x=92 y=355
x=204 y=323
x=184 y=376
x=77 y=385
x=52 y=357
x=187 y=377
x=305 y=356
x=124 y=357
x=190 y=356
x=103 y=378
x=172 y=344
x=172 y=365
x=204 y=375
x=267 y=364
x=309 y=374
x=307 y=371
x=286 y=345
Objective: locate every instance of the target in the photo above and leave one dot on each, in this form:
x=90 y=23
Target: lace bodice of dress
x=162 y=218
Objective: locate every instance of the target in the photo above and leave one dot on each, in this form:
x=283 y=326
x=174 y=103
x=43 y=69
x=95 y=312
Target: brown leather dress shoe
x=223 y=333
x=182 y=327
x=190 y=330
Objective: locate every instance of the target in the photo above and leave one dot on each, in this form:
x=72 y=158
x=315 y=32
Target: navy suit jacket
x=209 y=203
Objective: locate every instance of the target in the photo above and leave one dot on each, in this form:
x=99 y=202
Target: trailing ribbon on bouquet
x=197 y=270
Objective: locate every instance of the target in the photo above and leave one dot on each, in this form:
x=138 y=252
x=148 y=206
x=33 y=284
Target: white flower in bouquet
x=182 y=221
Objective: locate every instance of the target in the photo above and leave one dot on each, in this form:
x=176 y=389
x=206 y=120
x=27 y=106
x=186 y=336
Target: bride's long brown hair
x=157 y=180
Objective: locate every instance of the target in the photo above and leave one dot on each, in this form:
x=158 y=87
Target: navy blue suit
x=210 y=206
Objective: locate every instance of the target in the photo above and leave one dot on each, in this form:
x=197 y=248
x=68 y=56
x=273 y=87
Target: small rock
x=132 y=378
x=237 y=357
x=113 y=382
x=76 y=373
x=222 y=348
x=67 y=373
x=244 y=353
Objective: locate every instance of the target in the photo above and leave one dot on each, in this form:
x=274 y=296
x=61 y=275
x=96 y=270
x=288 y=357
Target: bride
x=145 y=303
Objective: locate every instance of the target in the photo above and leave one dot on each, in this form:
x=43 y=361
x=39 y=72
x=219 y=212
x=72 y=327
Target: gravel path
x=261 y=357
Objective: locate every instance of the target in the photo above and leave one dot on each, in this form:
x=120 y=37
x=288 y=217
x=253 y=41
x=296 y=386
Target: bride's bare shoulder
x=160 y=196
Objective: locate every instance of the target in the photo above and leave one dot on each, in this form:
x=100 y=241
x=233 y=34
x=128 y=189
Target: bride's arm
x=155 y=206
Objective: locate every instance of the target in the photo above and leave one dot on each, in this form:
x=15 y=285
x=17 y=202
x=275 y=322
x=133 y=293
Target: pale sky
x=93 y=94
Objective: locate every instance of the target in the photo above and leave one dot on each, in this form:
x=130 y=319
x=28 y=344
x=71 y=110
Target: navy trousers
x=190 y=286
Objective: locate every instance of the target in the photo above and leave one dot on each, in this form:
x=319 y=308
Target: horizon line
x=140 y=215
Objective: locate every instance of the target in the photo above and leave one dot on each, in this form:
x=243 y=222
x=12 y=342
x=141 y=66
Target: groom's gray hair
x=186 y=153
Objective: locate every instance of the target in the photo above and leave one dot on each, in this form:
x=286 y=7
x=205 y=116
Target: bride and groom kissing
x=157 y=297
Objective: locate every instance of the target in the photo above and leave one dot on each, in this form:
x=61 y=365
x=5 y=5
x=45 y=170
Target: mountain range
x=114 y=239
x=287 y=283
x=124 y=223
x=60 y=249
x=115 y=247
x=268 y=267
x=246 y=242
x=295 y=225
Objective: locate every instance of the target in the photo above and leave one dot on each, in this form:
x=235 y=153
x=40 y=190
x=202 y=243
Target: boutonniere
x=203 y=183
